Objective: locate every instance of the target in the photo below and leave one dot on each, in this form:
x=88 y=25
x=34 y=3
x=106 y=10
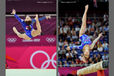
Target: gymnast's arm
x=38 y=24
x=40 y=19
x=16 y=16
x=76 y=47
x=71 y=47
x=96 y=40
x=45 y=17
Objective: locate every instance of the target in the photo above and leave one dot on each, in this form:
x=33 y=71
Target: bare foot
x=86 y=7
x=14 y=29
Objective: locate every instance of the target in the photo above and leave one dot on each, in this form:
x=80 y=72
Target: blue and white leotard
x=85 y=40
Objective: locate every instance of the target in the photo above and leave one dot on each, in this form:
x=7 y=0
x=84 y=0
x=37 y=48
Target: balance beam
x=93 y=68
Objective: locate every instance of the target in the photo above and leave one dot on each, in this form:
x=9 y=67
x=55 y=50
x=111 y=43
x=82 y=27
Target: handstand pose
x=27 y=25
x=86 y=44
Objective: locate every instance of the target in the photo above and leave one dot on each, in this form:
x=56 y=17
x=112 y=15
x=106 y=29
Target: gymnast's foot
x=86 y=7
x=15 y=30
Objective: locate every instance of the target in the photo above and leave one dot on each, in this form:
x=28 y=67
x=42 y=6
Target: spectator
x=99 y=57
x=65 y=43
x=89 y=22
x=74 y=54
x=74 y=37
x=60 y=64
x=105 y=46
x=72 y=64
x=105 y=17
x=96 y=60
x=65 y=64
x=100 y=48
x=90 y=61
x=69 y=56
x=66 y=28
x=71 y=44
x=94 y=57
x=105 y=57
x=60 y=43
x=81 y=57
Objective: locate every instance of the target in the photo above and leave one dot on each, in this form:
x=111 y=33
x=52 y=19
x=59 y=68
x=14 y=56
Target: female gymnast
x=27 y=25
x=86 y=43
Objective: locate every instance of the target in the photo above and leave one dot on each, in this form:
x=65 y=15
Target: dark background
x=31 y=6
x=77 y=6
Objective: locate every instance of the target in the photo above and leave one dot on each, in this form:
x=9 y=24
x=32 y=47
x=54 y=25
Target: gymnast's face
x=28 y=18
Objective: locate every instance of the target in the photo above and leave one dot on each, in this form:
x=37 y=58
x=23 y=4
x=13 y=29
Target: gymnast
x=27 y=25
x=86 y=44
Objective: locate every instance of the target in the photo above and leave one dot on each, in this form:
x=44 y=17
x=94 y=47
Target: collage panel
x=83 y=38
x=31 y=35
x=56 y=38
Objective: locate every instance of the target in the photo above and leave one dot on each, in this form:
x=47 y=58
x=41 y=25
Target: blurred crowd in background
x=68 y=31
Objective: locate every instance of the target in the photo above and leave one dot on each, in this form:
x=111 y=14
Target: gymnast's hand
x=48 y=17
x=68 y=48
x=13 y=11
x=100 y=35
x=36 y=18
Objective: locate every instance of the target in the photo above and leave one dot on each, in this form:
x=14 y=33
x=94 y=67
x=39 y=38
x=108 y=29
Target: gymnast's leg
x=83 y=26
x=38 y=25
x=18 y=34
x=82 y=31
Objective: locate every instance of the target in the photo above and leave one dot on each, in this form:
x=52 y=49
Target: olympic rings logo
x=50 y=39
x=11 y=40
x=46 y=61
